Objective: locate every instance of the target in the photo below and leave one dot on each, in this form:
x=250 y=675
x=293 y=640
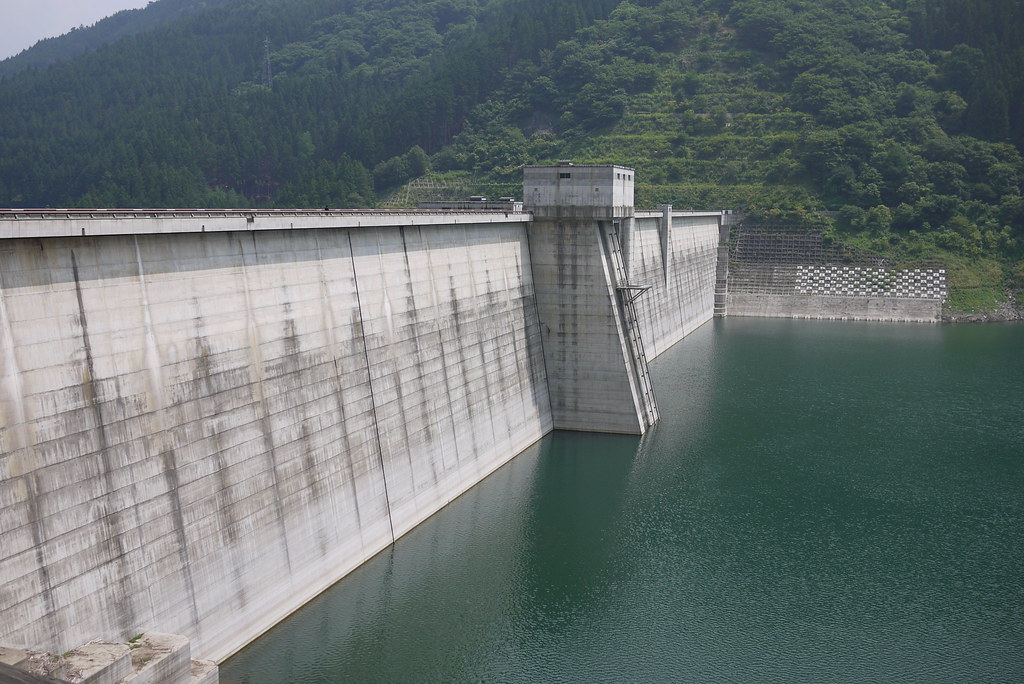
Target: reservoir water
x=822 y=501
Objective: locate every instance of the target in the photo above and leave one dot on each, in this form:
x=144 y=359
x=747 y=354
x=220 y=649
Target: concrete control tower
x=585 y=191
x=595 y=357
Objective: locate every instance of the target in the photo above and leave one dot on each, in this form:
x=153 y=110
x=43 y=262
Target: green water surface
x=821 y=502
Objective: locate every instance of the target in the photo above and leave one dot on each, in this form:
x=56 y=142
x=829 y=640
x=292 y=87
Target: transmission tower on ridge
x=268 y=77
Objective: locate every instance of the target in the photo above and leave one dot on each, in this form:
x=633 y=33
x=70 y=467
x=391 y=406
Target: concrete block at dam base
x=151 y=658
x=845 y=308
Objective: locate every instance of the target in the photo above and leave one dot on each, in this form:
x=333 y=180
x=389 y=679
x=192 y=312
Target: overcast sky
x=23 y=23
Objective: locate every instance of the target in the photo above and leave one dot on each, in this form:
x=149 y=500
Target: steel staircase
x=626 y=295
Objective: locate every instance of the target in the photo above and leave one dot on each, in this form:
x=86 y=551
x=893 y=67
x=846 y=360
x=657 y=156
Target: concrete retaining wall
x=199 y=432
x=781 y=274
x=859 y=308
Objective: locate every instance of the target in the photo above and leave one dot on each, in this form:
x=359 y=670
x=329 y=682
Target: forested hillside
x=895 y=125
x=188 y=113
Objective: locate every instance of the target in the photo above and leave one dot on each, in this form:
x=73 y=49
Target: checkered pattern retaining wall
x=857 y=281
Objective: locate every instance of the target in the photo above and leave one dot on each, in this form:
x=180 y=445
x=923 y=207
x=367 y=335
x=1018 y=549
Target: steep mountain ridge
x=119 y=25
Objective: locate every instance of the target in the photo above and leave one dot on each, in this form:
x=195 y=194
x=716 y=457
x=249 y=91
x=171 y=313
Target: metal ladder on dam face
x=625 y=296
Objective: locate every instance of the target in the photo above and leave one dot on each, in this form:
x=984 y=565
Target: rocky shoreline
x=1010 y=310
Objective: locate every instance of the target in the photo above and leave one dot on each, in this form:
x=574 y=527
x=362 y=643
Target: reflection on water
x=822 y=501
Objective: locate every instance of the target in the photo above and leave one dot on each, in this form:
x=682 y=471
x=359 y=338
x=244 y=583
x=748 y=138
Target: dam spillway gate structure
x=209 y=417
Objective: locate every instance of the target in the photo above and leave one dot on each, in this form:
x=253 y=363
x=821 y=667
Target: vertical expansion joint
x=665 y=236
x=373 y=399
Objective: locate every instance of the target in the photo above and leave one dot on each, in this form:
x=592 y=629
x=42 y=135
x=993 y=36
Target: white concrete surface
x=678 y=265
x=150 y=658
x=99 y=663
x=586 y=352
x=835 y=307
x=202 y=427
x=160 y=659
x=40 y=223
x=199 y=432
x=583 y=190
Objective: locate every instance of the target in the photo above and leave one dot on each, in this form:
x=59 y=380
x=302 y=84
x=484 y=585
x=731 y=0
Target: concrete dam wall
x=196 y=426
x=673 y=253
x=205 y=420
